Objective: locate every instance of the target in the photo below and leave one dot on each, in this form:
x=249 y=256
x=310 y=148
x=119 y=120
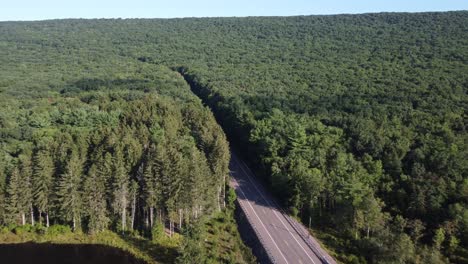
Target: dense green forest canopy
x=101 y=145
x=357 y=122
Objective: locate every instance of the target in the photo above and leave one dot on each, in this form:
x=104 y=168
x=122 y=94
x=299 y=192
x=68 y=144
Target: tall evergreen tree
x=120 y=187
x=43 y=172
x=94 y=194
x=15 y=208
x=69 y=193
x=152 y=184
x=26 y=175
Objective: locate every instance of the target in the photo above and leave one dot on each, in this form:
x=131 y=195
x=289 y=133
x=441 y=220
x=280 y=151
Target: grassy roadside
x=223 y=241
x=216 y=240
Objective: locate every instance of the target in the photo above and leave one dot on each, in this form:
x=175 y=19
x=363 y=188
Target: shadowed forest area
x=356 y=122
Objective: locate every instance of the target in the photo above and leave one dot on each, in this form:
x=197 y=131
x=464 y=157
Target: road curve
x=283 y=238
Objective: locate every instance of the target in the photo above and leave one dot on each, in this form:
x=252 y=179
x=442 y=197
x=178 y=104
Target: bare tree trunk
x=74 y=224
x=40 y=219
x=133 y=209
x=224 y=191
x=23 y=218
x=124 y=212
x=47 y=219
x=180 y=219
x=32 y=215
x=151 y=217
x=219 y=199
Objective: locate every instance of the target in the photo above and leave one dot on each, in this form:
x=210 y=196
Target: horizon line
x=246 y=16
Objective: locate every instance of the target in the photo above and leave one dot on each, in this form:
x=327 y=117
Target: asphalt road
x=284 y=239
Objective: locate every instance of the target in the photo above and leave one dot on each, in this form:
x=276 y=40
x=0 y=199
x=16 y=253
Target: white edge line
x=274 y=211
x=245 y=197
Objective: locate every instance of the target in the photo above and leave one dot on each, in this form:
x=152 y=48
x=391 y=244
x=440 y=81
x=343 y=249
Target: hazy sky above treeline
x=50 y=9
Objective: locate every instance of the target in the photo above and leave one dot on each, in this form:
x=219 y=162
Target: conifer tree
x=69 y=191
x=43 y=172
x=26 y=186
x=94 y=194
x=14 y=204
x=152 y=181
x=19 y=191
x=120 y=187
x=134 y=192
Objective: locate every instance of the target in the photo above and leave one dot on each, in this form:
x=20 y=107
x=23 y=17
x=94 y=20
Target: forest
x=356 y=122
x=123 y=147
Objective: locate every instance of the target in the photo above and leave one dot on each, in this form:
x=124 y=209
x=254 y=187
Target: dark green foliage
x=69 y=191
x=94 y=197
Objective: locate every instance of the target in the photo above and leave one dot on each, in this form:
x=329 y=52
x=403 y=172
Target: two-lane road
x=279 y=234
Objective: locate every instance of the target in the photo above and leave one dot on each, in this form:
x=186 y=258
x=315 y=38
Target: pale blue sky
x=49 y=9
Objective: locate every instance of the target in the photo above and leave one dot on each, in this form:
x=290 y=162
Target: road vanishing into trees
x=284 y=239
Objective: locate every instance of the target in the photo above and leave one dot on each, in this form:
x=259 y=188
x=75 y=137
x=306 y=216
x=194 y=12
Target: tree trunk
x=180 y=219
x=40 y=219
x=47 y=219
x=32 y=215
x=224 y=191
x=219 y=199
x=23 y=218
x=74 y=224
x=124 y=212
x=368 y=231
x=133 y=209
x=151 y=217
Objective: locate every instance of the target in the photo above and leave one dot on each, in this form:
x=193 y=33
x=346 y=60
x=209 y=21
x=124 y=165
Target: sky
x=52 y=9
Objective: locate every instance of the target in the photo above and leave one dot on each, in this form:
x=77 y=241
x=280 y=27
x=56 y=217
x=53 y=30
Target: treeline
x=111 y=159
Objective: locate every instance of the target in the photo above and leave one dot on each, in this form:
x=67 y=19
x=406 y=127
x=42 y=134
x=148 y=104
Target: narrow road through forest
x=283 y=238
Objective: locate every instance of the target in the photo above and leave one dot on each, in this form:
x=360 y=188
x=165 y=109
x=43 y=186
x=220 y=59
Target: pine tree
x=43 y=172
x=26 y=186
x=19 y=191
x=14 y=203
x=171 y=162
x=69 y=191
x=105 y=170
x=195 y=186
x=120 y=188
x=134 y=191
x=94 y=194
x=152 y=184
